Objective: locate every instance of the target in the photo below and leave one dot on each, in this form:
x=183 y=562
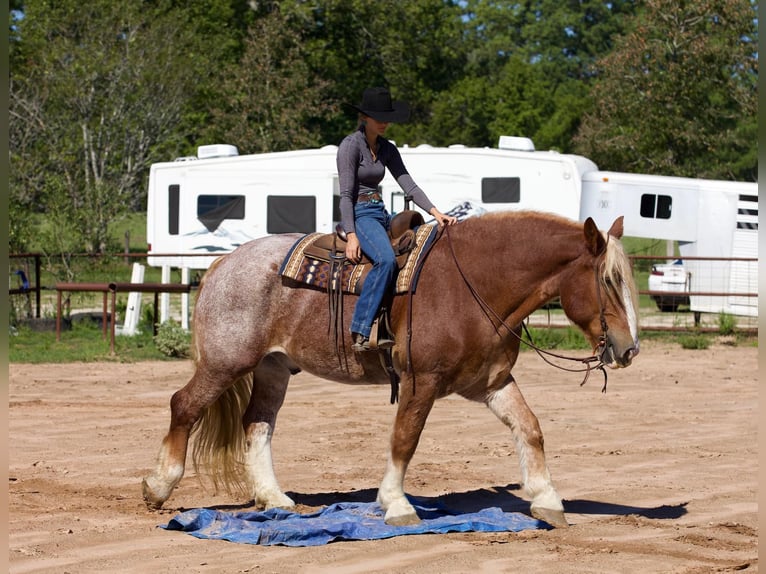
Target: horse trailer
x=714 y=222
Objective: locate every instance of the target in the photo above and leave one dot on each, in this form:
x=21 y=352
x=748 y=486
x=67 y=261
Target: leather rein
x=494 y=317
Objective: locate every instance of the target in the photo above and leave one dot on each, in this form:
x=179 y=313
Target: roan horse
x=459 y=333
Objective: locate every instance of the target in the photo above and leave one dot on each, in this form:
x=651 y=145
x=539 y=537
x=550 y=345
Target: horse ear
x=593 y=238
x=617 y=228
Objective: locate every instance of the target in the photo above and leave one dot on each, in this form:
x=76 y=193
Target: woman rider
x=362 y=159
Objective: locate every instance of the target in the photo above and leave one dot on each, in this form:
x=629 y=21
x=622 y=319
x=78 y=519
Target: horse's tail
x=219 y=439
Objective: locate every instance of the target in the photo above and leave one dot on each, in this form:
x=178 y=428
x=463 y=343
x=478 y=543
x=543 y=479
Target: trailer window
x=291 y=214
x=336 y=199
x=174 y=202
x=656 y=206
x=500 y=190
x=213 y=209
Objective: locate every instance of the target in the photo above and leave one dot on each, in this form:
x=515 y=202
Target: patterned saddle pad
x=302 y=264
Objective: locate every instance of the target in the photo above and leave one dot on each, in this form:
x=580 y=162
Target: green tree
x=415 y=48
x=563 y=37
x=526 y=73
x=268 y=100
x=678 y=94
x=94 y=87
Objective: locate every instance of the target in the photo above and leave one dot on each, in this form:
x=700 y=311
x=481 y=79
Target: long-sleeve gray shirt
x=358 y=173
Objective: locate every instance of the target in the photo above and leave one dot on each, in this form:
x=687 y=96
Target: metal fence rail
x=26 y=268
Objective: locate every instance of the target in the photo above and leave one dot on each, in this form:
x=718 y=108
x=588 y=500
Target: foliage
x=172 y=340
x=677 y=96
x=563 y=38
x=94 y=87
x=268 y=98
x=727 y=324
x=695 y=341
x=527 y=71
x=415 y=48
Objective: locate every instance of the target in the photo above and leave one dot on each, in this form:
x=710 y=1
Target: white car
x=671 y=281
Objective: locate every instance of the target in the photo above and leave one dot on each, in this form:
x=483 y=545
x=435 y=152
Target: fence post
x=127 y=246
x=165 y=297
x=185 y=299
x=38 y=288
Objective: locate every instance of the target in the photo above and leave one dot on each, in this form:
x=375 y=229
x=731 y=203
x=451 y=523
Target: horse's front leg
x=408 y=425
x=511 y=408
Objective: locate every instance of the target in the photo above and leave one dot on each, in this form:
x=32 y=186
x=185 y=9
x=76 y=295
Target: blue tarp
x=340 y=521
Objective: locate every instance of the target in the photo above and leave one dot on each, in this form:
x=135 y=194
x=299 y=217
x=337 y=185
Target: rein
x=490 y=314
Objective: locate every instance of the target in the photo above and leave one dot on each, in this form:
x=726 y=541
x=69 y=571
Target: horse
x=459 y=331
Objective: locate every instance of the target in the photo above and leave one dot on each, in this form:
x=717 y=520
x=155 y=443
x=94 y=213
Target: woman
x=363 y=157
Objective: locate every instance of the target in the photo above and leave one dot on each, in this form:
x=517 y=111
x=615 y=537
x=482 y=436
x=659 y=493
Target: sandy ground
x=658 y=475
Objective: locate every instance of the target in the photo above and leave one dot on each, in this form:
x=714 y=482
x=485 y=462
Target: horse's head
x=599 y=295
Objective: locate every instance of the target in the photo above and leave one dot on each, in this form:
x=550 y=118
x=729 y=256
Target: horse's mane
x=617 y=270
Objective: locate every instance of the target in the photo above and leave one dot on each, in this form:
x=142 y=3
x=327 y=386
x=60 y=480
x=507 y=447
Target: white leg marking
x=260 y=469
x=391 y=497
x=510 y=407
x=159 y=485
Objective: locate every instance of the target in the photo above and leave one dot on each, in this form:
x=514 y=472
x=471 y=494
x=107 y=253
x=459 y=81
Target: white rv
x=205 y=206
x=200 y=208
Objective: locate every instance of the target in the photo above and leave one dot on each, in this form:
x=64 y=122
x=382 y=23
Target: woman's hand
x=353 y=251
x=442 y=219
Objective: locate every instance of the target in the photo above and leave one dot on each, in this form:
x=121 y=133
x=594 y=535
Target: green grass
x=134 y=224
x=695 y=340
x=83 y=342
x=559 y=338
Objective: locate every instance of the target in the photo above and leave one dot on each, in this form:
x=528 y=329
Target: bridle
x=593 y=362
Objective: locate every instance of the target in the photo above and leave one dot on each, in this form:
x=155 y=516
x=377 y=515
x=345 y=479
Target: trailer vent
x=513 y=143
x=216 y=150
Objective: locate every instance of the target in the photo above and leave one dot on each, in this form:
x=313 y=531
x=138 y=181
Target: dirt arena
x=658 y=475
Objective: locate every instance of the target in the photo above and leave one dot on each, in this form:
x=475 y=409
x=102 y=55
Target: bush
x=697 y=341
x=727 y=324
x=172 y=340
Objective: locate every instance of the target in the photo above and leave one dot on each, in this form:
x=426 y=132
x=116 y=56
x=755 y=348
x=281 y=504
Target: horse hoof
x=152 y=501
x=281 y=501
x=553 y=517
x=403 y=520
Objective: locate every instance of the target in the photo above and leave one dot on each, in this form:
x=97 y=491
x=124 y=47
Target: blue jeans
x=371 y=223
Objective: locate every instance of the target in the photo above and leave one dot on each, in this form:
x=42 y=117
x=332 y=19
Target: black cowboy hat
x=377 y=104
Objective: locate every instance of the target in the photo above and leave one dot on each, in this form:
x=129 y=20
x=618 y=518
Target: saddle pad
x=304 y=269
x=340 y=521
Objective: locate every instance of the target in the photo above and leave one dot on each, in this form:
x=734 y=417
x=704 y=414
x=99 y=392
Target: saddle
x=323 y=262
x=331 y=247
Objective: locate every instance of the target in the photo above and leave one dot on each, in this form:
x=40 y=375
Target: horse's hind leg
x=269 y=388
x=186 y=406
x=511 y=408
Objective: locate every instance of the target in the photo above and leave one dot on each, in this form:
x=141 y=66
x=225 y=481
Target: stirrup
x=381 y=338
x=361 y=343
x=386 y=343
